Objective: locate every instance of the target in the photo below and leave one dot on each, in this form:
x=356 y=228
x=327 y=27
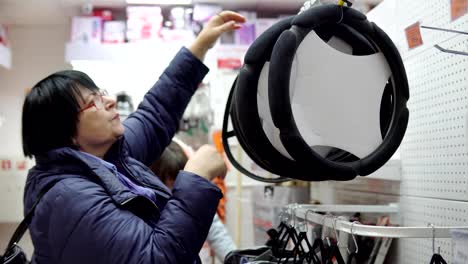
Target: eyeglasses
x=97 y=101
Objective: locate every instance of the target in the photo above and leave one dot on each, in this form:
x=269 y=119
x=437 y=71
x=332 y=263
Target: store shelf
x=5 y=57
x=138 y=51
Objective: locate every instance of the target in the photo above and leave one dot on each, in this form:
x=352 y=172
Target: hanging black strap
x=23 y=226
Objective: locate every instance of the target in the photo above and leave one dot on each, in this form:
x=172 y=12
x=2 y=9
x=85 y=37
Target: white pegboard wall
x=435 y=148
x=424 y=211
x=434 y=152
x=434 y=13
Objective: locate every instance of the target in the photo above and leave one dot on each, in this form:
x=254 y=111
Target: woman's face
x=99 y=124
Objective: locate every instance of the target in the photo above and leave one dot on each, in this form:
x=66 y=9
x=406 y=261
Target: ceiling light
x=159 y=2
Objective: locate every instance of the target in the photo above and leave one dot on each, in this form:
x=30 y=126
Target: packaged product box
x=144 y=23
x=203 y=12
x=86 y=29
x=104 y=14
x=246 y=34
x=114 y=32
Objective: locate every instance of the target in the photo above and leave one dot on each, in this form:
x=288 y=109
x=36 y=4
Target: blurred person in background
x=167 y=168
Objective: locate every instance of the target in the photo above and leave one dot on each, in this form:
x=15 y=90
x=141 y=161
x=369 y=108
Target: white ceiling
x=47 y=12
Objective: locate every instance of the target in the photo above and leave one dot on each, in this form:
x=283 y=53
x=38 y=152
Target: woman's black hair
x=172 y=160
x=50 y=111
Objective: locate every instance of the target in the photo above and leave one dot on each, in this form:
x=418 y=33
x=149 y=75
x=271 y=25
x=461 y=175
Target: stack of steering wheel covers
x=277 y=46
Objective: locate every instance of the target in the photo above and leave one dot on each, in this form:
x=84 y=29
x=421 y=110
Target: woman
x=106 y=206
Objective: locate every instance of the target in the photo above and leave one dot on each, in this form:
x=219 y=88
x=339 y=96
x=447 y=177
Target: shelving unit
x=120 y=52
x=138 y=51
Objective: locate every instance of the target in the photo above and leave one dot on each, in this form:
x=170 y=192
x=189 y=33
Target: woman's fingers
x=231 y=16
x=229 y=26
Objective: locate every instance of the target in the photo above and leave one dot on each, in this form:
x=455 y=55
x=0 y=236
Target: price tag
x=458 y=8
x=413 y=36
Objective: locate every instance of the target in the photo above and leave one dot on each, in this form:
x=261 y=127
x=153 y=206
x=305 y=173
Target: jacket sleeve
x=219 y=239
x=150 y=128
x=107 y=234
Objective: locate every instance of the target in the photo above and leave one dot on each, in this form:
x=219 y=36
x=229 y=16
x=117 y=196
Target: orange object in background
x=221 y=211
x=218 y=142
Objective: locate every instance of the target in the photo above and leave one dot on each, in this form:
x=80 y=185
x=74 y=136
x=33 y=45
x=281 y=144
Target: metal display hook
x=437 y=46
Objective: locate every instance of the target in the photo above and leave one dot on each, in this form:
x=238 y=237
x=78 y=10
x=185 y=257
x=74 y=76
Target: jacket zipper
x=124 y=165
x=130 y=199
x=133 y=176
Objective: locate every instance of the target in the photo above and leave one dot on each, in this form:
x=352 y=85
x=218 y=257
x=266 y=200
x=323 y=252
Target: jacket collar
x=118 y=155
x=61 y=163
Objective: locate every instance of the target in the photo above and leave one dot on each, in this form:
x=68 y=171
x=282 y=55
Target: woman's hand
x=224 y=21
x=207 y=163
